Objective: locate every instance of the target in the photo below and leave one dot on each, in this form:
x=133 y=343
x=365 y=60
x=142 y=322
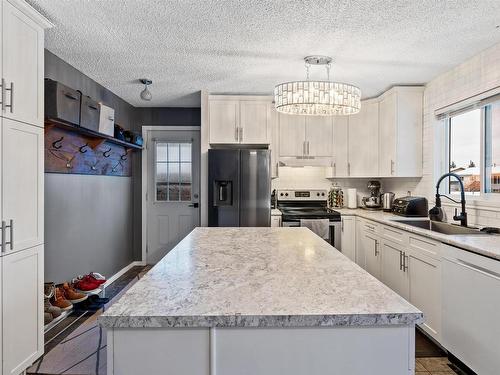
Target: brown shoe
x=72 y=295
x=60 y=301
x=53 y=310
x=48 y=289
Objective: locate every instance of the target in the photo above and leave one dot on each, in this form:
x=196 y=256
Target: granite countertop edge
x=261 y=321
x=460 y=241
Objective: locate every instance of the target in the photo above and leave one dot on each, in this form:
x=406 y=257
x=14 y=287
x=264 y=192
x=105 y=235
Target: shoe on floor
x=47 y=318
x=52 y=310
x=60 y=301
x=98 y=277
x=72 y=295
x=86 y=283
x=48 y=289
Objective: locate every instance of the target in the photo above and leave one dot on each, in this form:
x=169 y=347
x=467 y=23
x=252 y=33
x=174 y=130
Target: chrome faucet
x=435 y=213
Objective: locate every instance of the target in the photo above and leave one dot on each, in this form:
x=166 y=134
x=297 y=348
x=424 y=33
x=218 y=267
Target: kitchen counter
x=257 y=277
x=259 y=301
x=483 y=244
x=275 y=212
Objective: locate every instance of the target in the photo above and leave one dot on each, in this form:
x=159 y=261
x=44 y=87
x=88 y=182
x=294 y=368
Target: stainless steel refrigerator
x=239 y=188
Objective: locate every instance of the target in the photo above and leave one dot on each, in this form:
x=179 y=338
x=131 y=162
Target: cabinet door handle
x=235 y=133
x=405 y=264
x=376 y=248
x=241 y=134
x=2 y=94
x=342 y=226
x=348 y=169
x=334 y=169
x=392 y=167
x=400 y=260
x=3 y=236
x=11 y=105
x=307 y=147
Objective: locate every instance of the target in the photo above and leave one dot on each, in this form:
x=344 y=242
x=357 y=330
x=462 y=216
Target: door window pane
x=465 y=151
x=173 y=171
x=492 y=149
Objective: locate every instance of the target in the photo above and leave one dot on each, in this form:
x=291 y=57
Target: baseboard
x=117 y=275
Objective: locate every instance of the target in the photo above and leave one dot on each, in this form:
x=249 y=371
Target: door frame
x=144 y=179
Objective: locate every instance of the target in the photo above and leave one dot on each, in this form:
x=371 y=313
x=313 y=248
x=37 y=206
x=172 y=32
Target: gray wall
x=93 y=223
x=88 y=219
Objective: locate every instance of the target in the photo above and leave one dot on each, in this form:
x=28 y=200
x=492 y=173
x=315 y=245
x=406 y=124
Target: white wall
x=476 y=75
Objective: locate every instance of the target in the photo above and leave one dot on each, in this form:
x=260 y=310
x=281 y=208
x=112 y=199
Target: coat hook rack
x=107 y=153
x=83 y=148
x=124 y=156
x=119 y=164
x=58 y=143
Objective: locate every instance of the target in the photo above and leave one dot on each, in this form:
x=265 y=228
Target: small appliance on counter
x=387 y=201
x=410 y=206
x=373 y=201
x=352 y=198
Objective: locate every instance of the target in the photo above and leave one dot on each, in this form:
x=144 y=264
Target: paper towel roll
x=352 y=198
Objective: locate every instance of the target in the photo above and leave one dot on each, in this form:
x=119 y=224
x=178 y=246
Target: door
x=424 y=275
x=363 y=135
x=372 y=254
x=319 y=136
x=22 y=184
x=393 y=272
x=292 y=135
x=255 y=118
x=224 y=121
x=22 y=309
x=22 y=67
x=255 y=188
x=173 y=189
x=387 y=135
x=340 y=146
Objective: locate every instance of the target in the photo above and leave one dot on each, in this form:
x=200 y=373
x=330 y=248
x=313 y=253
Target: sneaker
x=86 y=283
x=72 y=295
x=98 y=277
x=60 y=301
x=47 y=318
x=48 y=289
x=53 y=310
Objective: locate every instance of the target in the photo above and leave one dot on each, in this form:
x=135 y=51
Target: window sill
x=486 y=203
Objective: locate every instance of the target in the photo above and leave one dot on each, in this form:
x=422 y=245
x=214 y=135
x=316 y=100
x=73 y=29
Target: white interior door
x=172 y=189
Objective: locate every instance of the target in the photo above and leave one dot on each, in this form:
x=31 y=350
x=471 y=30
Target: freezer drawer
x=471 y=306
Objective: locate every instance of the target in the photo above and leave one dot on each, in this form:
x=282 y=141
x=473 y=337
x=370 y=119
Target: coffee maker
x=373 y=201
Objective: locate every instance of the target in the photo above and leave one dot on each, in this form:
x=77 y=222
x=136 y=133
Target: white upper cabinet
x=319 y=136
x=400 y=132
x=274 y=146
x=363 y=141
x=224 y=121
x=22 y=64
x=292 y=134
x=239 y=120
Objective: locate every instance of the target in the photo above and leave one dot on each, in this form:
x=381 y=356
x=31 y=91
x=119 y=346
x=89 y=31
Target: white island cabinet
x=261 y=301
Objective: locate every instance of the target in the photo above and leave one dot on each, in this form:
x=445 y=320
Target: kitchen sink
x=444 y=228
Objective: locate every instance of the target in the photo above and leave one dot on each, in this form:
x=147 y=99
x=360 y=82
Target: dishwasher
x=471 y=309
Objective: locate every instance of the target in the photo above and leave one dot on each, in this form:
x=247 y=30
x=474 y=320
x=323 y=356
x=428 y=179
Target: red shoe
x=86 y=284
x=97 y=277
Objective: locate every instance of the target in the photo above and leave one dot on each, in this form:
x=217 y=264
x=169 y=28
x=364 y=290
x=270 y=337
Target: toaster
x=410 y=206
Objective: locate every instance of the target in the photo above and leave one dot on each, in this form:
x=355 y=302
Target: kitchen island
x=261 y=301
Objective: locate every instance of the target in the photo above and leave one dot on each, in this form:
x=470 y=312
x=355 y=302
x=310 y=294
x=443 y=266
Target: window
x=474 y=150
x=173 y=171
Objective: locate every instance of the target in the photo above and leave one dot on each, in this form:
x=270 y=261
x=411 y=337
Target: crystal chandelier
x=317 y=98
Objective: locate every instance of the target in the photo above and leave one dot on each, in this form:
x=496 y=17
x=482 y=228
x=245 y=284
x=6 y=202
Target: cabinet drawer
x=425 y=246
x=393 y=234
x=369 y=226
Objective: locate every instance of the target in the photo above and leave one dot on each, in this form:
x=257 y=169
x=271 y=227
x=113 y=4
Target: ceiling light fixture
x=146 y=94
x=317 y=98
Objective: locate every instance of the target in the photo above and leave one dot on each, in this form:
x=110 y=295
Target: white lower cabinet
x=394 y=274
x=348 y=237
x=22 y=309
x=276 y=221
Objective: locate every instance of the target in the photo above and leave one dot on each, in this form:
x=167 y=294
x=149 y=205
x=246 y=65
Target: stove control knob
x=286 y=194
x=281 y=194
x=317 y=194
x=322 y=194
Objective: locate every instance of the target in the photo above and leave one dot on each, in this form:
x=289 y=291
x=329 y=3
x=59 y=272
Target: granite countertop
x=257 y=277
x=483 y=244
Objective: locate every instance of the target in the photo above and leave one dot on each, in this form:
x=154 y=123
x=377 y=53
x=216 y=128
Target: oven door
x=335 y=231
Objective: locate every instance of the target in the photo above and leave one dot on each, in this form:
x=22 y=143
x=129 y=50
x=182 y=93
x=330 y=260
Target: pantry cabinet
x=239 y=120
x=21 y=186
x=348 y=237
x=400 y=132
x=22 y=309
x=22 y=63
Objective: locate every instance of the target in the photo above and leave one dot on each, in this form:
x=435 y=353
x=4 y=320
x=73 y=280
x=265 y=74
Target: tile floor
x=433 y=366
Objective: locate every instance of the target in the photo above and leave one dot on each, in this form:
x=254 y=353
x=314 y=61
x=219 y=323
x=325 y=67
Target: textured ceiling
x=248 y=46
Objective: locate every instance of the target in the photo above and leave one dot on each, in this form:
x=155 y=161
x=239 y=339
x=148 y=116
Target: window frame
x=155 y=171
x=482 y=195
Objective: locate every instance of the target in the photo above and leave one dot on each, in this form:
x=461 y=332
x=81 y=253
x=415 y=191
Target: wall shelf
x=99 y=137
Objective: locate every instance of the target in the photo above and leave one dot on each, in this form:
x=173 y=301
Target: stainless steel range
x=309 y=204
